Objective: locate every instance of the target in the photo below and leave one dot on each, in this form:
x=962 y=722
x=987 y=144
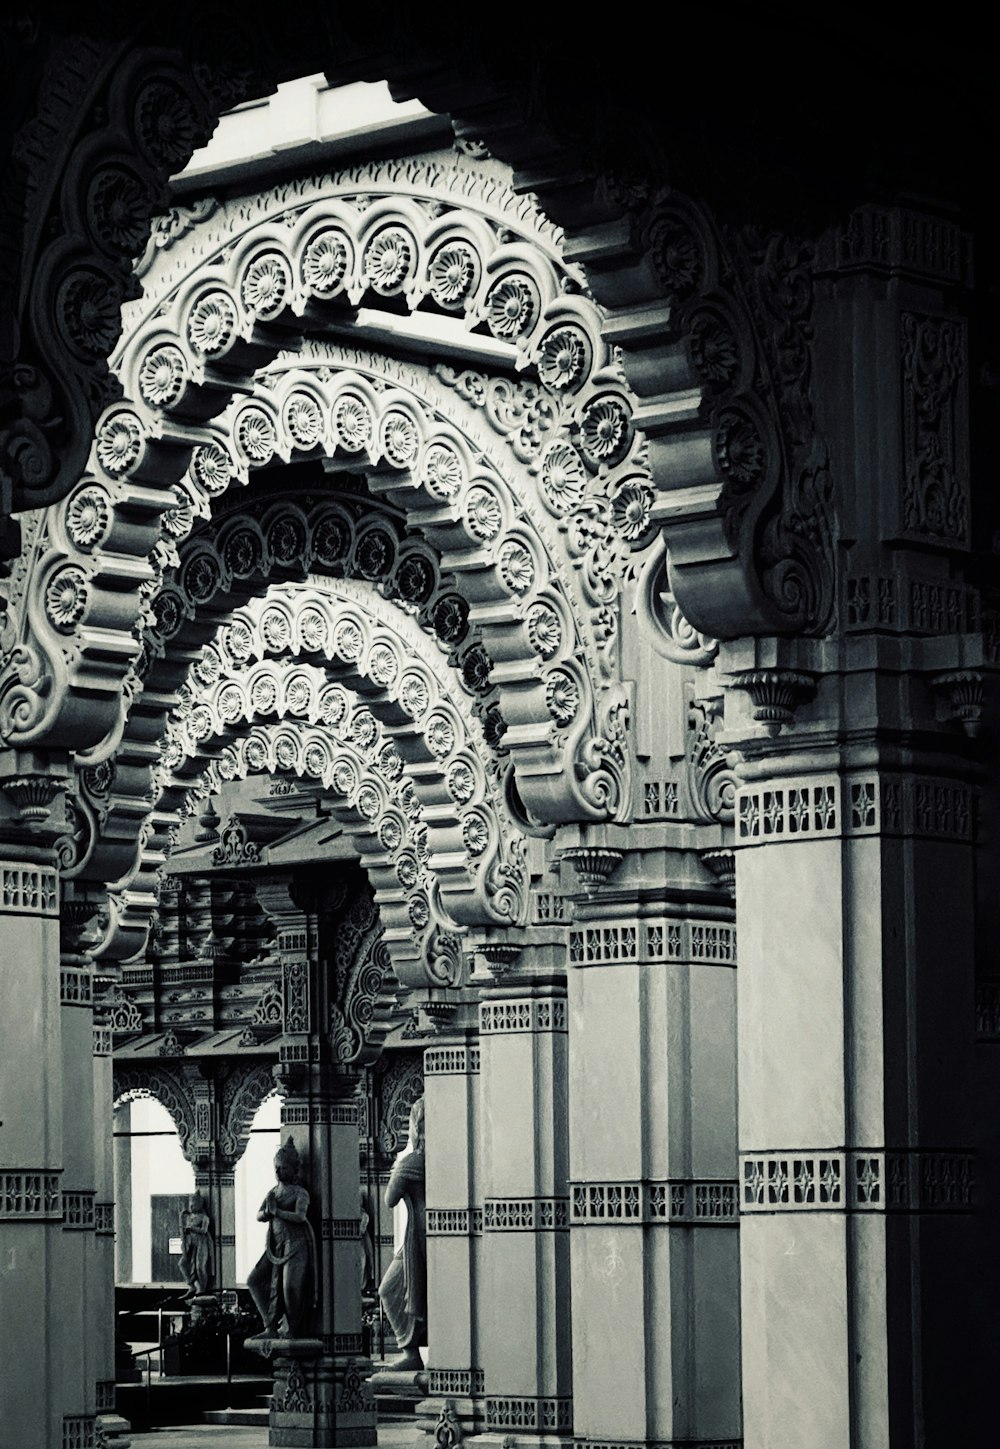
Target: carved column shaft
x=856 y=1178
x=103 y=1293
x=32 y=1242
x=455 y=1302
x=524 y=1171
x=653 y=1211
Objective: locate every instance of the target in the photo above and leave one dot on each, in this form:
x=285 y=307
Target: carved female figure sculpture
x=197 y=1260
x=283 y=1284
x=403 y=1289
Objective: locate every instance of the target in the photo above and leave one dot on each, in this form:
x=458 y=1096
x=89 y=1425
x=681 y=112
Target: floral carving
x=562 y=476
x=373 y=553
x=605 y=429
x=88 y=306
x=544 y=630
x=739 y=449
x=442 y=471
x=162 y=375
x=414 y=695
x=66 y=598
x=453 y=274
x=451 y=619
x=212 y=323
x=352 y=420
x=303 y=420
x=119 y=441
x=630 y=509
x=562 y=696
x=399 y=438
x=484 y=513
x=166 y=124
x=517 y=568
x=415 y=579
x=389 y=260
x=266 y=284
x=564 y=358
x=325 y=262
x=511 y=306
x=213 y=468
x=331 y=540
x=255 y=435
x=475 y=833
x=88 y=516
x=118 y=209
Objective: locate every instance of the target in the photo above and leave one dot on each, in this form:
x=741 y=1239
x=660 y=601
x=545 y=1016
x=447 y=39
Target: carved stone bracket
x=962 y=696
x=594 y=864
x=776 y=694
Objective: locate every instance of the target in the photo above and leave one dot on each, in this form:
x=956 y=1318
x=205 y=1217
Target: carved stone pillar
x=102 y=1319
x=526 y=1357
x=51 y=1387
x=855 y=909
x=321 y=1393
x=653 y=1203
x=455 y=1302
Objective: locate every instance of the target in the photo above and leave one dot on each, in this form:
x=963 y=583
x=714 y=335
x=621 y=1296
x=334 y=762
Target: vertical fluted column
x=653 y=1203
x=526 y=1356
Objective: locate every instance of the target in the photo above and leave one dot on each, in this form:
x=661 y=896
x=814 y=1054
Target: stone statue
x=283 y=1284
x=197 y=1260
x=403 y=1289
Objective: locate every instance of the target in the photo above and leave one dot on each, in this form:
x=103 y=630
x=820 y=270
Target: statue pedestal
x=399 y=1390
x=319 y=1401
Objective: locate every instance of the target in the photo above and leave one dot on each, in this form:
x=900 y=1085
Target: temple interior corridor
x=499 y=643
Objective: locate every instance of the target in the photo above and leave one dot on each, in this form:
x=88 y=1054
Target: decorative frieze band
x=342 y=1344
x=78 y=1211
x=304 y=1114
x=451 y=1061
x=713 y=942
x=78 y=1431
x=341 y=1228
x=824 y=806
x=102 y=1041
x=859 y=1180
x=104 y=1394
x=525 y=1214
x=447 y=1222
x=547 y=907
x=76 y=986
x=104 y=1218
x=540 y=1414
x=683 y=1201
x=28 y=890
x=227 y=1240
x=29 y=1195
x=462 y=1383
x=534 y=1014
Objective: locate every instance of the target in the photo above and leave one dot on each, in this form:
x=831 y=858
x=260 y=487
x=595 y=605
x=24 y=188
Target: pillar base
x=449 y=1421
x=319 y=1402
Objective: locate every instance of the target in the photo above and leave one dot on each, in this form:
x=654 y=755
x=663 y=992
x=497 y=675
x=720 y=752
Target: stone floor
x=392 y=1434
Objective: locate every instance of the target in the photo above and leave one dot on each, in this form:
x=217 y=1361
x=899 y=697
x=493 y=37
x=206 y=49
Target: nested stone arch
x=243 y=1091
x=100 y=152
x=383 y=817
x=166 y=1087
x=276 y=658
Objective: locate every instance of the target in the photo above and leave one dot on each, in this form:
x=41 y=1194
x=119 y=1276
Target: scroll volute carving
x=745 y=492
